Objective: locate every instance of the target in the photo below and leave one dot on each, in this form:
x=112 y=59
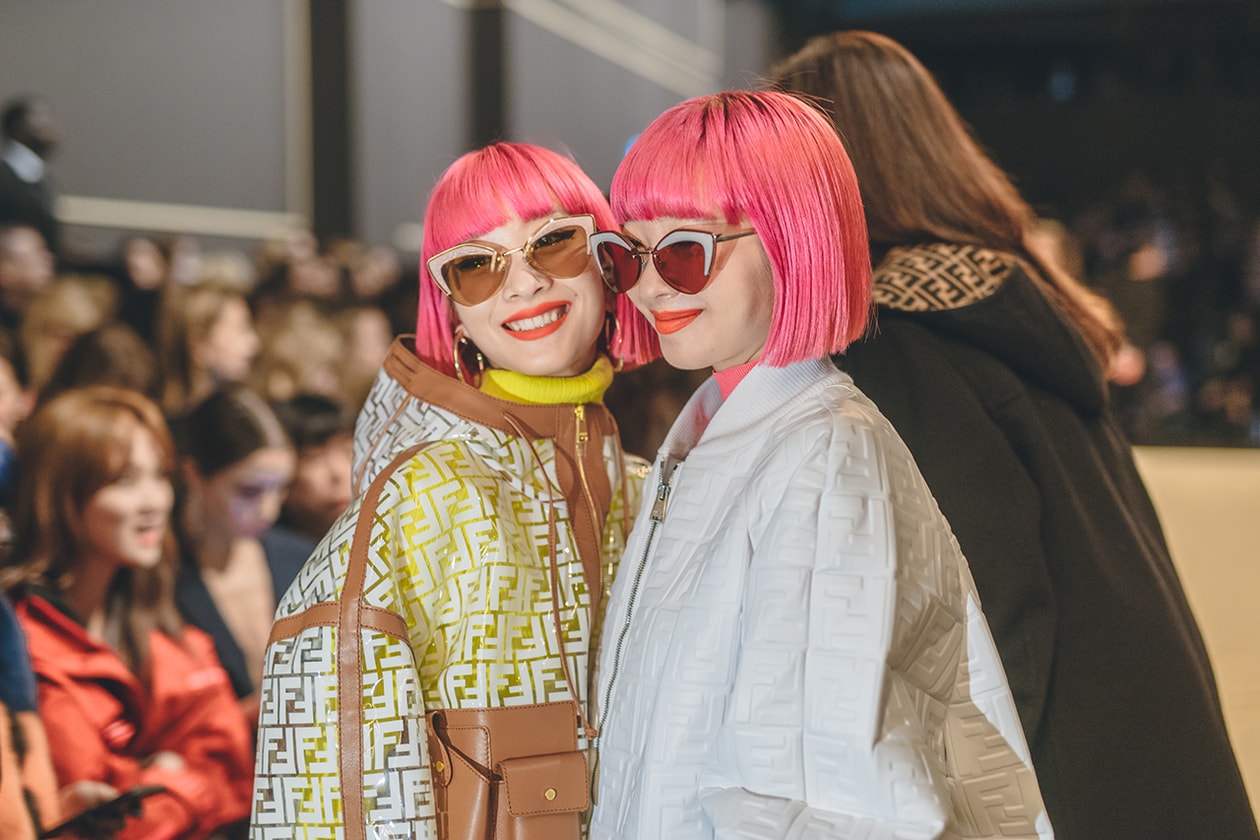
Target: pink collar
x=729 y=378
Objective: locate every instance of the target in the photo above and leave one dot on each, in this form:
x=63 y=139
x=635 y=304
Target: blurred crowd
x=255 y=366
x=1179 y=258
x=176 y=435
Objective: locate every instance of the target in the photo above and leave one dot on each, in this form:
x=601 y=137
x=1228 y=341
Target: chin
x=684 y=361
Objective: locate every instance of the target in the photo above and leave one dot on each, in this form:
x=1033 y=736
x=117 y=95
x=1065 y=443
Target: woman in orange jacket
x=129 y=696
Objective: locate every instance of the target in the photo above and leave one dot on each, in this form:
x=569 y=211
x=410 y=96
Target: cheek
x=248 y=516
x=639 y=303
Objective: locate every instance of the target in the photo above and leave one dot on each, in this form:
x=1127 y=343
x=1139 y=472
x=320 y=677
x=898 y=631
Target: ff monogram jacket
x=794 y=647
x=454 y=609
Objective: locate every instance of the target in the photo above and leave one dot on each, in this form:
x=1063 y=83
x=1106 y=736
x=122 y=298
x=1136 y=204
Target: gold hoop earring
x=612 y=337
x=458 y=348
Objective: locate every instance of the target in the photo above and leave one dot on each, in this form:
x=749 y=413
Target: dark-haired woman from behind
x=128 y=694
x=989 y=360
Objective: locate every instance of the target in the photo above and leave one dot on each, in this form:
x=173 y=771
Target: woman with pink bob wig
x=795 y=647
x=492 y=502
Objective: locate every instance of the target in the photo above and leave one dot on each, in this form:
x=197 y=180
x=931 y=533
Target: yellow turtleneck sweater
x=549 y=390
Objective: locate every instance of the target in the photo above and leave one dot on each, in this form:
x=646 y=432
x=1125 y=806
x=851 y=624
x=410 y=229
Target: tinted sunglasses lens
x=473 y=278
x=561 y=252
x=681 y=265
x=618 y=265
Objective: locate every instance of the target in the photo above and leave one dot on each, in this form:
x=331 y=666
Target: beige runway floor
x=1209 y=502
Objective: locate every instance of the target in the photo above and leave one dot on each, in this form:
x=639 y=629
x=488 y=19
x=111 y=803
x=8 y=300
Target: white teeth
x=537 y=321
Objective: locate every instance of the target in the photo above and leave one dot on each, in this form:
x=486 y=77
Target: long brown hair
x=72 y=446
x=185 y=319
x=922 y=176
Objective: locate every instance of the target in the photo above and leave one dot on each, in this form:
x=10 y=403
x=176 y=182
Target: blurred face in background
x=124 y=522
x=244 y=499
x=26 y=267
x=230 y=345
x=321 y=485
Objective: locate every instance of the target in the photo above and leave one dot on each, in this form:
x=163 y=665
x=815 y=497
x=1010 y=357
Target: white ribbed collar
x=721 y=426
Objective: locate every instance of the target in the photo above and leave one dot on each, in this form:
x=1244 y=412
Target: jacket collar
x=740 y=420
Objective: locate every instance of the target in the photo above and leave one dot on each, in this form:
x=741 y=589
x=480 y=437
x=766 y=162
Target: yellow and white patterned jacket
x=452 y=608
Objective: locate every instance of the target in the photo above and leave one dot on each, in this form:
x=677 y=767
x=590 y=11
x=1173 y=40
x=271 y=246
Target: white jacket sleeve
x=852 y=712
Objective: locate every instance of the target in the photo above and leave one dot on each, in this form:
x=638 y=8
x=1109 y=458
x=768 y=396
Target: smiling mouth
x=538 y=325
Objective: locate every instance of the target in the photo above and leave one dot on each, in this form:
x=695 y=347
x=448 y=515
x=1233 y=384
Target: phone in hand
x=105 y=817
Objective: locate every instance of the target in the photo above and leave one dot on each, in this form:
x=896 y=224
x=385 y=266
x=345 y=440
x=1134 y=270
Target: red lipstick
x=541 y=312
x=671 y=321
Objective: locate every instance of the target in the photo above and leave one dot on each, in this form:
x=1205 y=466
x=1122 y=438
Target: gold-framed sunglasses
x=473 y=272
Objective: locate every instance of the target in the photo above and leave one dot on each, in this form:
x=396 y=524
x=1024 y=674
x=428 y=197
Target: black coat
x=1006 y=413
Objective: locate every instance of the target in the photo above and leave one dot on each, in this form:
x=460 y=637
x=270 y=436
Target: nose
x=523 y=280
x=269 y=509
x=650 y=287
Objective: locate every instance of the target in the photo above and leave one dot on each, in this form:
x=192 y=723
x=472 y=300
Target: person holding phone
x=795 y=646
x=129 y=695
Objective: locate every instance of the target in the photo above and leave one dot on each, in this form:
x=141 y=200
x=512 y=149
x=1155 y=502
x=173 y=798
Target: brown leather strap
x=352 y=617
x=325 y=614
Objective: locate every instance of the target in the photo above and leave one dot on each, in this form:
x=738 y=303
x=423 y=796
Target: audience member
x=302 y=352
x=146 y=271
x=206 y=338
x=26 y=192
x=26 y=270
x=28 y=787
x=293 y=267
x=366 y=335
x=322 y=433
x=112 y=354
x=15 y=403
x=128 y=694
x=235 y=465
x=989 y=361
x=71 y=306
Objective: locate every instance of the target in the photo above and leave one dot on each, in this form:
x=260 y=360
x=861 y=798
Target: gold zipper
x=582 y=437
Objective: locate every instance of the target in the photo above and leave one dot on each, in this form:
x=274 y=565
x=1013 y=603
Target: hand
x=166 y=760
x=77 y=797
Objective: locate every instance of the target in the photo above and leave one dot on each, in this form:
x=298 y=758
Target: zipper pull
x=579 y=413
x=668 y=466
x=658 y=508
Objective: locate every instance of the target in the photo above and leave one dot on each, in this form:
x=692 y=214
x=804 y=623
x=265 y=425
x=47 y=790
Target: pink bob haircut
x=775 y=160
x=479 y=192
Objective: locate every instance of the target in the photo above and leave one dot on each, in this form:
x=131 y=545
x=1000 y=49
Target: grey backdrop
x=180 y=102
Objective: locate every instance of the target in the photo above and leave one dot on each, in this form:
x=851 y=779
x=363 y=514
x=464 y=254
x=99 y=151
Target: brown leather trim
x=353 y=616
x=587 y=523
x=436 y=388
x=325 y=613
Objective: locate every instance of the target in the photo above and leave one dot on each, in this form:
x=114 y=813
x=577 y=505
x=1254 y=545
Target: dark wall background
x=1073 y=97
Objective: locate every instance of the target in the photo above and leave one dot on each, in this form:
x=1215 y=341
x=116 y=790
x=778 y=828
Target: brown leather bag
x=508 y=773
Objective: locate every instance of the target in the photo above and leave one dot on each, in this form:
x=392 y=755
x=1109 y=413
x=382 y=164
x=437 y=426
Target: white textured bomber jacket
x=794 y=648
